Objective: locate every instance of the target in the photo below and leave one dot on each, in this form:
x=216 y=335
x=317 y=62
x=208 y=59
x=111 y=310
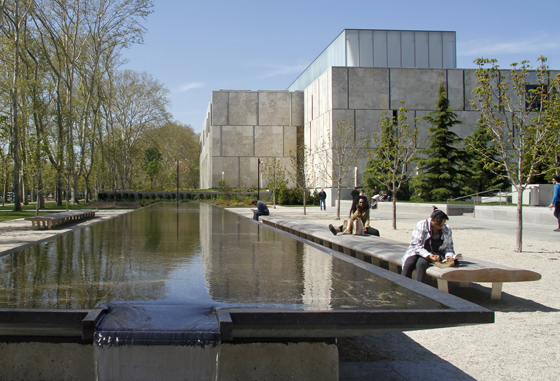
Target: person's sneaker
x=332 y=229
x=557 y=230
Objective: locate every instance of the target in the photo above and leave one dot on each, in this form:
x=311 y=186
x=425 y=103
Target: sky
x=196 y=47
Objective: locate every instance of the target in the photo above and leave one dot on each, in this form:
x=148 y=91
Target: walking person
x=322 y=198
x=555 y=203
x=262 y=210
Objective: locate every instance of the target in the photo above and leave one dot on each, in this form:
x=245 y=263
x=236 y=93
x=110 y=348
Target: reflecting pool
x=195 y=254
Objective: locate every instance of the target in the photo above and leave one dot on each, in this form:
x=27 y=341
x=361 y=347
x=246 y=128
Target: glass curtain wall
x=383 y=48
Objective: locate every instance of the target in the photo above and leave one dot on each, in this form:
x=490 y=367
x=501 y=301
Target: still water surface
x=169 y=256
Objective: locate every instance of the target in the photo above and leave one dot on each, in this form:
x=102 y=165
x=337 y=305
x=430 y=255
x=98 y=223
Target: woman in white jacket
x=431 y=242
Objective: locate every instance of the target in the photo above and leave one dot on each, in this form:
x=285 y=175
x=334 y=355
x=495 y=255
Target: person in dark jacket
x=262 y=210
x=322 y=198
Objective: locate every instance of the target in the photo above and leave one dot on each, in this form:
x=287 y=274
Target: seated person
x=359 y=221
x=262 y=209
x=375 y=194
x=431 y=243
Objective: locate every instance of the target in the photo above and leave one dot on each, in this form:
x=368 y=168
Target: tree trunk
x=519 y=241
x=394 y=207
x=40 y=199
x=58 y=191
x=304 y=202
x=338 y=206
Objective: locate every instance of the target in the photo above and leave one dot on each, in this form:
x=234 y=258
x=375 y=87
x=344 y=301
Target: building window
x=534 y=96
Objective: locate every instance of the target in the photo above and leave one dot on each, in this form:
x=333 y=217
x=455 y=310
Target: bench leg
x=496 y=291
x=375 y=261
x=394 y=268
x=443 y=285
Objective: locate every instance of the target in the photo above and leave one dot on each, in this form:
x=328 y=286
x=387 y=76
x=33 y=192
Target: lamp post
x=177 y=181
x=259 y=178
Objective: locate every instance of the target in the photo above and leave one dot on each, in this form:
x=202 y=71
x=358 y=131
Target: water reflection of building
x=317 y=275
x=249 y=263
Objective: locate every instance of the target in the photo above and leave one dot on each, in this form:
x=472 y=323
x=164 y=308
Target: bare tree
x=275 y=175
x=302 y=171
x=521 y=114
x=394 y=147
x=337 y=156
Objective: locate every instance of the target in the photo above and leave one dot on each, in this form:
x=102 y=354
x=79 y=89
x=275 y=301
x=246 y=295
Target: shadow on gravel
x=392 y=356
x=480 y=295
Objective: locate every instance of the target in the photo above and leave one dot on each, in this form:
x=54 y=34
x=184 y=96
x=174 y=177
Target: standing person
x=322 y=198
x=431 y=243
x=555 y=203
x=359 y=221
x=261 y=210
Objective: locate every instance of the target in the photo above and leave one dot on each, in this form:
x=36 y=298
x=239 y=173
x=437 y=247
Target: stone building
x=361 y=74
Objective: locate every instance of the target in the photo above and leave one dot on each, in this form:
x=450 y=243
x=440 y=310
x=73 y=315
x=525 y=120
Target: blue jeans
x=322 y=204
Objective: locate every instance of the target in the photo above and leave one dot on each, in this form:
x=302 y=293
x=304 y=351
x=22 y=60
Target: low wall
x=46 y=361
x=531 y=214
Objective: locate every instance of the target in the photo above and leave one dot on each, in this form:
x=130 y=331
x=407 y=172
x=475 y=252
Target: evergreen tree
x=439 y=166
x=393 y=148
x=485 y=171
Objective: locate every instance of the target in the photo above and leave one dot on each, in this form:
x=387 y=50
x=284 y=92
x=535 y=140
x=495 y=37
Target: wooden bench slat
x=56 y=219
x=377 y=249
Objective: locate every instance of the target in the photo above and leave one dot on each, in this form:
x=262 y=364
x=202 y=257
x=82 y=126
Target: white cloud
x=188 y=86
x=275 y=70
x=540 y=45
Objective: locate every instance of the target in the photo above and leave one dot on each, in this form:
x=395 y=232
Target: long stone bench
x=388 y=253
x=56 y=219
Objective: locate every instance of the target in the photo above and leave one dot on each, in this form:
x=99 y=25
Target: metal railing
x=499 y=195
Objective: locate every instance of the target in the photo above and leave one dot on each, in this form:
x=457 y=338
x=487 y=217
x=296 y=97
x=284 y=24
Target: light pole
x=259 y=179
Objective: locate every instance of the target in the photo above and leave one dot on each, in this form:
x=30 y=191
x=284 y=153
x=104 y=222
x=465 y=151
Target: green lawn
x=7 y=211
x=9 y=215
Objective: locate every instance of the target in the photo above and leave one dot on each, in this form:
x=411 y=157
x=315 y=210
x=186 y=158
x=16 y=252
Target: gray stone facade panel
x=417 y=87
x=274 y=108
x=243 y=108
x=248 y=172
x=455 y=92
x=219 y=108
x=237 y=141
x=339 y=87
x=368 y=88
x=470 y=85
x=269 y=141
x=297 y=109
x=290 y=140
x=367 y=122
x=216 y=140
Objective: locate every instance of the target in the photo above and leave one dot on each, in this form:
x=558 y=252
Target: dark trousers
x=557 y=212
x=256 y=214
x=418 y=263
x=370 y=230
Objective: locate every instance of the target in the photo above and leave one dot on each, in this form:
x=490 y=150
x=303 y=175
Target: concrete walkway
x=18 y=234
x=521 y=345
